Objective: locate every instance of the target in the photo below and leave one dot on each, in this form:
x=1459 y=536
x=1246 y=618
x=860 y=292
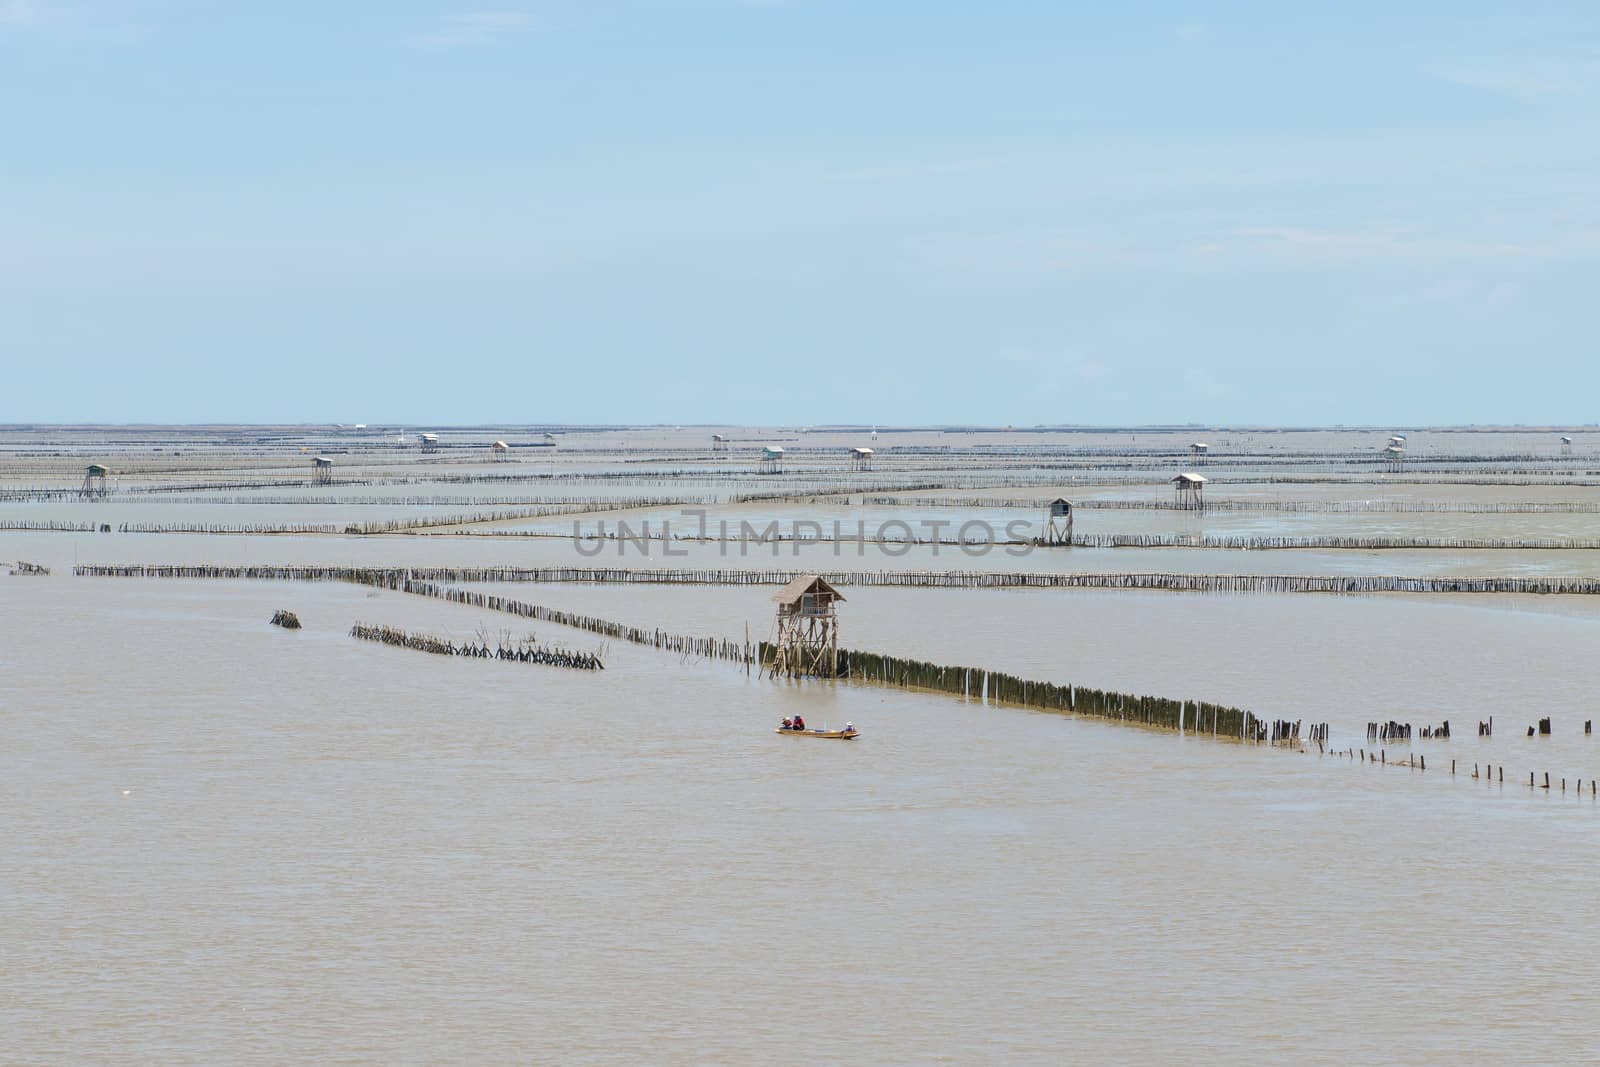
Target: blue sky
x=799 y=212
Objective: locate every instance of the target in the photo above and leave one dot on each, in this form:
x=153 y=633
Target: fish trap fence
x=1309 y=507
x=681 y=644
x=1182 y=583
x=442 y=646
x=1247 y=543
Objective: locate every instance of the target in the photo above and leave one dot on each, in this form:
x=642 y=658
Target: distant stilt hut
x=321 y=470
x=771 y=461
x=805 y=638
x=550 y=439
x=1566 y=446
x=1199 y=448
x=1393 y=456
x=500 y=450
x=94 y=481
x=1190 y=491
x=430 y=442
x=861 y=459
x=719 y=443
x=1058 y=523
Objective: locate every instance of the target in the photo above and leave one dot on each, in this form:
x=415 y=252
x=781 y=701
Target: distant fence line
x=1332 y=542
x=42 y=526
x=1332 y=507
x=1169 y=582
x=578 y=503
x=391 y=526
x=1117 y=540
x=793 y=488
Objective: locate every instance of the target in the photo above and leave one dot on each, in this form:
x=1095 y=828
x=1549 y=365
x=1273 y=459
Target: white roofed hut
x=500 y=450
x=1189 y=491
x=321 y=470
x=1199 y=448
x=1393 y=456
x=719 y=442
x=805 y=640
x=771 y=461
x=430 y=442
x=861 y=459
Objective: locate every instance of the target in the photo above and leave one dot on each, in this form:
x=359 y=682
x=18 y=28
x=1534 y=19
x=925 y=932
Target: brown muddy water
x=226 y=842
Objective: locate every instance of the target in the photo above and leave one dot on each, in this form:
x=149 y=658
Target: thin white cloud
x=473 y=28
x=912 y=169
x=17 y=12
x=1239 y=247
x=1540 y=70
x=1296 y=246
x=1515 y=82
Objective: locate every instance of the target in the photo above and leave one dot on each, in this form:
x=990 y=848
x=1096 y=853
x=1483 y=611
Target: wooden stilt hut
x=1058 y=523
x=805 y=639
x=94 y=481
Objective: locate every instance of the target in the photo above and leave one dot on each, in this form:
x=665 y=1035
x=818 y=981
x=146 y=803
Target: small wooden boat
x=836 y=735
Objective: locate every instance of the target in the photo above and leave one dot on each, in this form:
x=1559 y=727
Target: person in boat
x=849 y=728
x=788 y=724
x=799 y=723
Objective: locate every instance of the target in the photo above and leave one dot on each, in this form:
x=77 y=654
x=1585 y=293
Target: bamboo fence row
x=441 y=646
x=680 y=644
x=1330 y=507
x=1172 y=582
x=1000 y=688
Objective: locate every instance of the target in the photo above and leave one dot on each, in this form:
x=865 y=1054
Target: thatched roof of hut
x=806 y=585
